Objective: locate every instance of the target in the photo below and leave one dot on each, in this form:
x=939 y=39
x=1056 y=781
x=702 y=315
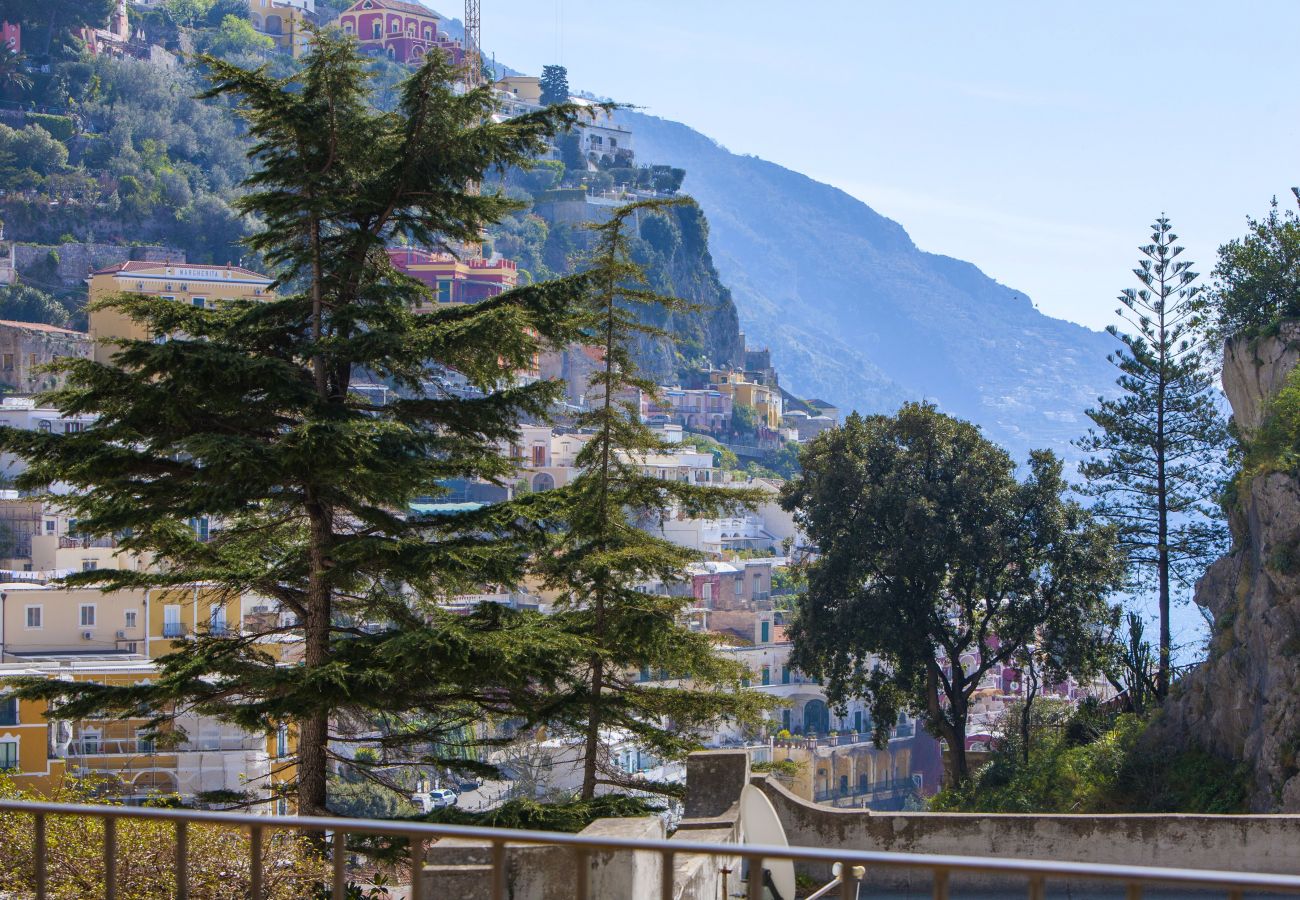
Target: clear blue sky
x=1037 y=140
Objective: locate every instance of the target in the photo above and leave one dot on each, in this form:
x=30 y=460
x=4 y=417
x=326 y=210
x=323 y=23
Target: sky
x=1036 y=140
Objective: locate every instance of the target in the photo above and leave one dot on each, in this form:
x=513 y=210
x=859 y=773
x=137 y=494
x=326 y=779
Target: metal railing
x=173 y=630
x=854 y=864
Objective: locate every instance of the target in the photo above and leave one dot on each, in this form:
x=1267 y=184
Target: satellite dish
x=759 y=825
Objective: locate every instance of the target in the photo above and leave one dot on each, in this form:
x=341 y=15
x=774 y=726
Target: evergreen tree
x=600 y=553
x=246 y=415
x=937 y=566
x=1157 y=453
x=555 y=85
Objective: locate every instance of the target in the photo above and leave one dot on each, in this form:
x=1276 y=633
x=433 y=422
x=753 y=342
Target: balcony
x=111 y=747
x=74 y=542
x=173 y=630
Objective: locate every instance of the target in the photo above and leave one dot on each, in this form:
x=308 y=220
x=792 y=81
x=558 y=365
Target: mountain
x=857 y=315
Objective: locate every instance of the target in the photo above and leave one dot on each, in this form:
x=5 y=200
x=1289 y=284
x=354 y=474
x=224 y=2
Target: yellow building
x=283 y=22
x=764 y=399
x=206 y=755
x=199 y=285
x=527 y=89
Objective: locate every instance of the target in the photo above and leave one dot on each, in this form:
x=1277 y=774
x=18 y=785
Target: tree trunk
x=953 y=731
x=1162 y=508
x=592 y=748
x=313 y=728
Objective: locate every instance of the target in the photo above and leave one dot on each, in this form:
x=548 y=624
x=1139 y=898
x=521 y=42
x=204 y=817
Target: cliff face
x=1244 y=701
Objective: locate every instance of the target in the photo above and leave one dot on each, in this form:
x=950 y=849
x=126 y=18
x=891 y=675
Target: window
x=8 y=710
x=9 y=361
x=766 y=632
x=707 y=592
x=89 y=565
x=767 y=675
x=8 y=755
x=35 y=616
x=785 y=674
x=347 y=27
x=31 y=360
x=282 y=742
x=199 y=302
x=87 y=609
x=49 y=526
x=539 y=455
x=378 y=31
x=217 y=618
x=130 y=618
x=74 y=427
x=172 y=621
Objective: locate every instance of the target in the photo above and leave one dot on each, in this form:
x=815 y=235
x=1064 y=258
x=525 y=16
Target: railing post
x=940 y=884
x=755 y=884
x=38 y=855
x=340 y=854
x=1133 y=892
x=849 y=877
x=110 y=858
x=417 y=867
x=182 y=861
x=582 y=866
x=255 y=888
x=1037 y=888
x=498 y=870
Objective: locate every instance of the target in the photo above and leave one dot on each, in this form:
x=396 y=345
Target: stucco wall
x=1239 y=843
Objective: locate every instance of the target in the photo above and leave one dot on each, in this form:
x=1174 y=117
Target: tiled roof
x=40 y=326
x=136 y=265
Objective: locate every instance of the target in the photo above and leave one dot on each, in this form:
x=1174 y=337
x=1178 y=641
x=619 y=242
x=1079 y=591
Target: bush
x=61 y=128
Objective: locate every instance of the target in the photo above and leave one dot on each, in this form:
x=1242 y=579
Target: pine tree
x=555 y=85
x=246 y=415
x=600 y=554
x=1157 y=453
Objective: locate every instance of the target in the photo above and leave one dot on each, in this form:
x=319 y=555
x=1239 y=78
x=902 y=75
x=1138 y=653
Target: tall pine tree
x=1157 y=453
x=247 y=416
x=600 y=555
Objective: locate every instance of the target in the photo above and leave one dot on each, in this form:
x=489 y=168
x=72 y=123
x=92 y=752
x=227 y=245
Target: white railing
x=853 y=864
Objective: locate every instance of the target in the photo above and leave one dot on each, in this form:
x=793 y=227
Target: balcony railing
x=173 y=630
x=1034 y=873
x=110 y=747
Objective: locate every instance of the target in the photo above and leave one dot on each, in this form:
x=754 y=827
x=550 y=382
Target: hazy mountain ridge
x=856 y=314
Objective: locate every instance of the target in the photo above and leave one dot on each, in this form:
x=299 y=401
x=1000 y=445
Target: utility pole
x=473 y=44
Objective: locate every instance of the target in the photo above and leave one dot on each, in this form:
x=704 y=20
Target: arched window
x=378 y=31
x=273 y=25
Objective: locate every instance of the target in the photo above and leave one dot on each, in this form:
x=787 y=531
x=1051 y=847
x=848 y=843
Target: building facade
x=26 y=347
x=453 y=279
x=284 y=21
x=404 y=32
x=199 y=285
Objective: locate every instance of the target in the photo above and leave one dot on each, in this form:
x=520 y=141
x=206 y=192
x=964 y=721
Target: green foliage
x=554 y=84
x=599 y=556
x=1087 y=762
x=22 y=303
x=1257 y=279
x=722 y=457
x=744 y=420
x=1276 y=445
x=236 y=36
x=368 y=800
x=187 y=13
x=571 y=815
x=1157 y=455
x=248 y=419
x=781 y=768
x=932 y=550
x=28 y=154
x=60 y=127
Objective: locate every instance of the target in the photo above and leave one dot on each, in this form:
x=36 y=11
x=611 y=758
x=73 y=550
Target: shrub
x=60 y=127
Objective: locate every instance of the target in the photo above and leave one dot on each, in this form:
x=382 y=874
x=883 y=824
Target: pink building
x=11 y=36
x=402 y=31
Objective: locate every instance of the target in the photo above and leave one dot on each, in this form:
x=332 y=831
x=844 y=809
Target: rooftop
x=177 y=270
x=40 y=326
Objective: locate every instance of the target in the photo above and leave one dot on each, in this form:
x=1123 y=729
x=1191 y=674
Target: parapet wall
x=1262 y=843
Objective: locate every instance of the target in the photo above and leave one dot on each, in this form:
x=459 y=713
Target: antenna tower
x=473 y=44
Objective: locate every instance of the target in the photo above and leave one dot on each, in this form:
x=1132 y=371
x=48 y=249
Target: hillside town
x=387 y=444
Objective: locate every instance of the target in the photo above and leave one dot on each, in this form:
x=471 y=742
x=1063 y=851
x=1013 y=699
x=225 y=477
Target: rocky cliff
x=1244 y=701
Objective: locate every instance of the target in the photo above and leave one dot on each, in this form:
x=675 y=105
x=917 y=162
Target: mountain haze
x=857 y=315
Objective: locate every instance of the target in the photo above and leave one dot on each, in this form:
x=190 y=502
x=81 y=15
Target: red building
x=11 y=36
x=455 y=280
x=402 y=31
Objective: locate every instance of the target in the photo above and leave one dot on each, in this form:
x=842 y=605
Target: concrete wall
x=1237 y=843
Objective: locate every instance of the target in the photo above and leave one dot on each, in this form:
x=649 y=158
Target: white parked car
x=439 y=798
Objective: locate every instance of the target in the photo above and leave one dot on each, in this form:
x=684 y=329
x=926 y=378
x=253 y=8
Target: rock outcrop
x=1244 y=701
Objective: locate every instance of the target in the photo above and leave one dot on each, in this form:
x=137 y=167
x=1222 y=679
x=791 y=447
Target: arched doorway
x=816 y=717
x=543 y=481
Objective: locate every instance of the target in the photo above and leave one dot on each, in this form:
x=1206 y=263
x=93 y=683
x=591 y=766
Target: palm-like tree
x=12 y=71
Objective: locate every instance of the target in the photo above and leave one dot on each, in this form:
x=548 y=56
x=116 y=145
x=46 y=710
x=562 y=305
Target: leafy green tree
x=237 y=36
x=12 y=72
x=1156 y=457
x=187 y=13
x=1256 y=283
x=23 y=303
x=600 y=554
x=937 y=566
x=55 y=15
x=249 y=419
x=555 y=85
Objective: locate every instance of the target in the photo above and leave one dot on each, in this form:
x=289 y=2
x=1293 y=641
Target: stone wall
x=1236 y=843
x=77 y=260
